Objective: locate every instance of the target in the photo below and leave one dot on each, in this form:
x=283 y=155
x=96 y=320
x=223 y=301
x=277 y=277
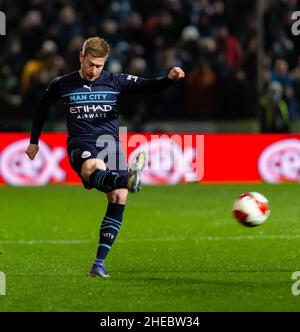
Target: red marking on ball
x=264 y=208
x=240 y=215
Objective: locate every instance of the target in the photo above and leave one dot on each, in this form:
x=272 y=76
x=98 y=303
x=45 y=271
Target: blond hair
x=96 y=46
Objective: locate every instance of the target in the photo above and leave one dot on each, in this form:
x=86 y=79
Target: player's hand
x=176 y=73
x=32 y=150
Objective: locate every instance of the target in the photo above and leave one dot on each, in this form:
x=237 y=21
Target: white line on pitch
x=165 y=239
x=44 y=241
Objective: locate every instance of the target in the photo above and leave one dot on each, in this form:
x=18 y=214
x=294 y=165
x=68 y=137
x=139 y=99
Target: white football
x=251 y=209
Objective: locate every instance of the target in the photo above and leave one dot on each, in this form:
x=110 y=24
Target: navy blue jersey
x=91 y=108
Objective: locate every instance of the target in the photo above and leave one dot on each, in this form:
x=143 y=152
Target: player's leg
x=94 y=172
x=109 y=230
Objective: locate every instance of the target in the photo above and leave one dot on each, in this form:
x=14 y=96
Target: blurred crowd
x=214 y=41
x=280 y=100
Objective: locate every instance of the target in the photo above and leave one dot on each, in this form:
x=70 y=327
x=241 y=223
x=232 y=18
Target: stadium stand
x=281 y=59
x=147 y=38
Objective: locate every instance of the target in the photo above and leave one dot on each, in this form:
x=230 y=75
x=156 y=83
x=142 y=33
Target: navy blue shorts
x=108 y=150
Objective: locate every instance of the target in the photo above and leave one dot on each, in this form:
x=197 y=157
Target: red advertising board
x=172 y=158
x=252 y=158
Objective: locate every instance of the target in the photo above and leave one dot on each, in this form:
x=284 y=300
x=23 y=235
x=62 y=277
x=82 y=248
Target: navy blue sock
x=106 y=180
x=109 y=229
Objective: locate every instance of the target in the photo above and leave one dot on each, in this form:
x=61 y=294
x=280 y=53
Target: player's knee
x=118 y=196
x=89 y=166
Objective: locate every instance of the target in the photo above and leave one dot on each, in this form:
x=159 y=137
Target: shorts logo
x=85 y=154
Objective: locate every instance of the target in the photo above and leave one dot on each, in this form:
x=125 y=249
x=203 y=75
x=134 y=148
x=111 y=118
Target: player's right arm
x=131 y=83
x=50 y=96
x=32 y=150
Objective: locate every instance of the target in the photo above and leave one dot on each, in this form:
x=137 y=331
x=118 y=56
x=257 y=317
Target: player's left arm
x=132 y=83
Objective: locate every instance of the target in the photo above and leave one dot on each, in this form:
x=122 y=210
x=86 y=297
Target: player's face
x=91 y=67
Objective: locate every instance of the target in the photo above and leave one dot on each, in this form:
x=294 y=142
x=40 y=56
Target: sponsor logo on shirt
x=90 y=111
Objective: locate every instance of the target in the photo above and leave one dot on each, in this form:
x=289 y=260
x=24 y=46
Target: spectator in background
x=250 y=61
x=67 y=27
x=163 y=33
x=189 y=40
x=72 y=51
x=274 y=113
x=133 y=30
x=9 y=92
x=33 y=92
x=13 y=55
x=230 y=46
x=295 y=74
x=33 y=66
x=37 y=74
x=110 y=31
x=201 y=91
x=281 y=74
x=32 y=32
x=282 y=48
x=250 y=65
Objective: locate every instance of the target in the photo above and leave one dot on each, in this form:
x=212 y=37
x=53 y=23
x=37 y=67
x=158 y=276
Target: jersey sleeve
x=50 y=96
x=131 y=83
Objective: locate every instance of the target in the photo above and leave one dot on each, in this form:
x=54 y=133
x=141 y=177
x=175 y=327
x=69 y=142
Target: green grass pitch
x=179 y=249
